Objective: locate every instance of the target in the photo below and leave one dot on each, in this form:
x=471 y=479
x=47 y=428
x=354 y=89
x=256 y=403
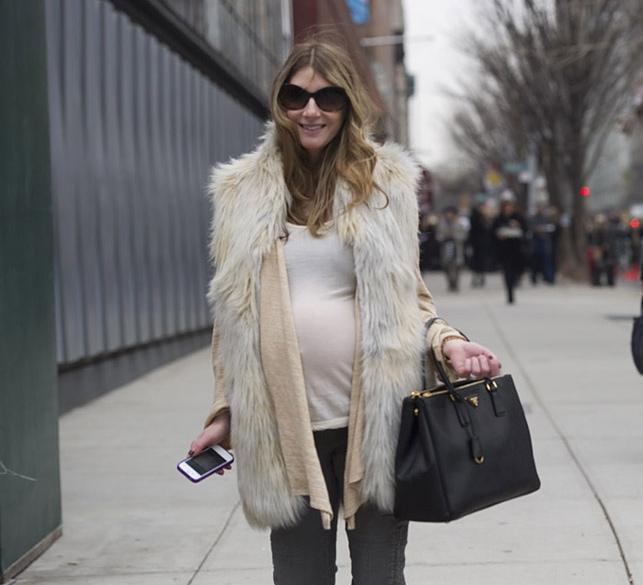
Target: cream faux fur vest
x=250 y=202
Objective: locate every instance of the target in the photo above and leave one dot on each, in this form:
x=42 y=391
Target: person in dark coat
x=480 y=241
x=543 y=233
x=602 y=244
x=509 y=232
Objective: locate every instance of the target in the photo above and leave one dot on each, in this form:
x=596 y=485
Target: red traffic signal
x=584 y=191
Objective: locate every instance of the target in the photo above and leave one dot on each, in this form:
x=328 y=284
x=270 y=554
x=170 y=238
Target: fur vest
x=250 y=201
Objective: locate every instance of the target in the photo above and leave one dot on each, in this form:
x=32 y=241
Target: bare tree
x=485 y=130
x=559 y=74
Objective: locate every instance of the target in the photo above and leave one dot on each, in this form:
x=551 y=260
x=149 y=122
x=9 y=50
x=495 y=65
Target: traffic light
x=584 y=191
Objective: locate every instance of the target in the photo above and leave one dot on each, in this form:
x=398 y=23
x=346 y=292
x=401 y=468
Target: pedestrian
x=602 y=238
x=509 y=230
x=554 y=214
x=429 y=245
x=542 y=230
x=480 y=240
x=636 y=341
x=318 y=310
x=451 y=235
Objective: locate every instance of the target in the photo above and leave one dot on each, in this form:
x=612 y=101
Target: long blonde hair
x=349 y=156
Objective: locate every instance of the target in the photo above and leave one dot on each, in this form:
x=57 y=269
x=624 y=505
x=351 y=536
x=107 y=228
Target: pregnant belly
x=326 y=336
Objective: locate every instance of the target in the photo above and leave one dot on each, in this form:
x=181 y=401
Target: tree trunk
x=579 y=232
x=565 y=252
x=571 y=242
x=573 y=260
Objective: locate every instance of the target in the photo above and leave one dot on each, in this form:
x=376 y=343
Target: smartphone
x=205 y=463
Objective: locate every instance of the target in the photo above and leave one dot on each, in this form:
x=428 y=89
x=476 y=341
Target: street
x=129 y=518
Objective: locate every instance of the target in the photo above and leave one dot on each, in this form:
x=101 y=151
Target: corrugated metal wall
x=134 y=131
x=251 y=35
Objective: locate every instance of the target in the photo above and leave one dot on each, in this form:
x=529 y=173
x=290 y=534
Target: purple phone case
x=209 y=473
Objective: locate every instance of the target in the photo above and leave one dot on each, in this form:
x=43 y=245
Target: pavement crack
x=216 y=541
x=540 y=401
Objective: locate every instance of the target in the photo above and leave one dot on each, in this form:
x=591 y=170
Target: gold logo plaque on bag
x=473 y=399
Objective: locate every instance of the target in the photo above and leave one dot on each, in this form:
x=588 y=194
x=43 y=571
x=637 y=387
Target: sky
x=437 y=64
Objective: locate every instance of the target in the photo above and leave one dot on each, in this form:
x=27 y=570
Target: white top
x=321 y=279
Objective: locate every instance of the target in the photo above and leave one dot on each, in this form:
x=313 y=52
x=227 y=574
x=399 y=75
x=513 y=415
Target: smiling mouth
x=312 y=127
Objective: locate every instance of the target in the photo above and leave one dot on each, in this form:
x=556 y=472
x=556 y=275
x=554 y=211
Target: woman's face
x=316 y=127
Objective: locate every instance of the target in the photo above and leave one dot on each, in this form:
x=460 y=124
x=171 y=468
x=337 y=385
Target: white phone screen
x=205 y=461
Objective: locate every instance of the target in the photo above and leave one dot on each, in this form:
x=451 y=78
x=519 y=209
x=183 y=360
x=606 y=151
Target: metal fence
x=134 y=131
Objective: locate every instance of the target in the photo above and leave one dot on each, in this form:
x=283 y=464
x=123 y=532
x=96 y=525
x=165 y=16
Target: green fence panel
x=30 y=513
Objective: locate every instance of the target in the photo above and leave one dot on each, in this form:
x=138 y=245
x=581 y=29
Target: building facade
x=382 y=37
x=253 y=36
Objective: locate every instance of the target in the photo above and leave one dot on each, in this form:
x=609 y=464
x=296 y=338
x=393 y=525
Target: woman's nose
x=311 y=109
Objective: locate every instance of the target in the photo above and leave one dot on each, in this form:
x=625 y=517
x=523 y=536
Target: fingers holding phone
x=213 y=459
x=212 y=436
x=217 y=432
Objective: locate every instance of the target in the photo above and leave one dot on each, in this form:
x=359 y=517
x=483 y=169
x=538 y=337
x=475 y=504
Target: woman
x=510 y=230
x=318 y=323
x=480 y=240
x=452 y=234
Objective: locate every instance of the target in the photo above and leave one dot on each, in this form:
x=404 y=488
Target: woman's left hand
x=470 y=359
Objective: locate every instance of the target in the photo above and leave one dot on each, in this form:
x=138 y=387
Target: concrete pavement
x=131 y=519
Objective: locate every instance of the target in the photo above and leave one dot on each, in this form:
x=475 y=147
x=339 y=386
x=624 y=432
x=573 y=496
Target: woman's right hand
x=218 y=431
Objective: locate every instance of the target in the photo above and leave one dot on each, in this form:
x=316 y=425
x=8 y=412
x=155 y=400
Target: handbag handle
x=458 y=401
x=427 y=326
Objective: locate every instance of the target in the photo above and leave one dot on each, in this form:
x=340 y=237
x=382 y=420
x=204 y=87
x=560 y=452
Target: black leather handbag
x=637 y=341
x=462 y=447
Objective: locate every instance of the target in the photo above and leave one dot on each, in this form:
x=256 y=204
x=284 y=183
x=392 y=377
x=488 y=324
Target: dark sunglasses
x=329 y=99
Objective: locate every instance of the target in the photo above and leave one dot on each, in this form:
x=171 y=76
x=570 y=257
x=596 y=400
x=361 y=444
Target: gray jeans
x=305 y=554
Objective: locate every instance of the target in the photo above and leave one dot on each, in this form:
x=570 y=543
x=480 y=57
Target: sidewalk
x=131 y=519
